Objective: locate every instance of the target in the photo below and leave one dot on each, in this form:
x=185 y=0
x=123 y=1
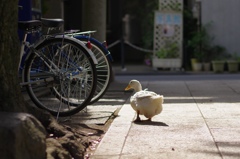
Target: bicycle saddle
x=52 y=22
x=29 y=25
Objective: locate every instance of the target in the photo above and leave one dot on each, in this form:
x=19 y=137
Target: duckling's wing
x=145 y=94
x=142 y=95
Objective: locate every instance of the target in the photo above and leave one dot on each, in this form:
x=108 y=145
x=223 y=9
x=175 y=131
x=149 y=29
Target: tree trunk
x=11 y=99
x=62 y=142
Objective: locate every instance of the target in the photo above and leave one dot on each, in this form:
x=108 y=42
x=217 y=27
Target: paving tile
x=220 y=110
x=229 y=150
x=175 y=139
x=200 y=120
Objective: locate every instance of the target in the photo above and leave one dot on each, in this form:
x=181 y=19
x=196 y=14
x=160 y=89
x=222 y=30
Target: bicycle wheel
x=73 y=75
x=104 y=67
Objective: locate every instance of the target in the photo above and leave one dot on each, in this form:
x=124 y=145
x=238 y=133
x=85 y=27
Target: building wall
x=226 y=22
x=73 y=15
x=54 y=9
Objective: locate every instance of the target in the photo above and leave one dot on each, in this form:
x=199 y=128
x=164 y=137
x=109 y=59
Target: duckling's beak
x=128 y=87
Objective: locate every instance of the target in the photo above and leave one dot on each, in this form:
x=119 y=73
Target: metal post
x=122 y=38
x=122 y=55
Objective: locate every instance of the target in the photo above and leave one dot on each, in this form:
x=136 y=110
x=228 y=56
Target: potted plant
x=168 y=56
x=148 y=59
x=232 y=66
x=200 y=43
x=207 y=55
x=196 y=64
x=170 y=50
x=233 y=63
x=218 y=61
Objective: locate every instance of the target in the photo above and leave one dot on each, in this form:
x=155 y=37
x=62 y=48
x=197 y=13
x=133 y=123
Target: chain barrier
x=131 y=45
x=138 y=48
x=114 y=43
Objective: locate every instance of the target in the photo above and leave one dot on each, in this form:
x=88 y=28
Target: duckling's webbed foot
x=138 y=118
x=149 y=119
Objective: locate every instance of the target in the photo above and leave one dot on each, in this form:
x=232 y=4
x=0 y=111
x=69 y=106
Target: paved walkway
x=200 y=120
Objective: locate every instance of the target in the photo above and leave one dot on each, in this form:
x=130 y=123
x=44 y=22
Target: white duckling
x=144 y=102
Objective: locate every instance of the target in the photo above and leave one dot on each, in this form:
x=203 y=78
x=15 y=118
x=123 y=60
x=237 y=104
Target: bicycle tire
x=103 y=68
x=71 y=90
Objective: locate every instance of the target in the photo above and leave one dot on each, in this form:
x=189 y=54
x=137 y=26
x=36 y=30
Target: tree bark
x=11 y=99
x=61 y=141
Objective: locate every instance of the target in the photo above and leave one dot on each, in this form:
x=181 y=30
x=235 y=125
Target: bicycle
x=59 y=71
x=103 y=68
x=103 y=56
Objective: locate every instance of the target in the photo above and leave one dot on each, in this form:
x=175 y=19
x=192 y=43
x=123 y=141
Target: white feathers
x=145 y=102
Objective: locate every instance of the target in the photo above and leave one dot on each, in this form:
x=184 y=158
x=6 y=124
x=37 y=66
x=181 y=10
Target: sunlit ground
x=200 y=119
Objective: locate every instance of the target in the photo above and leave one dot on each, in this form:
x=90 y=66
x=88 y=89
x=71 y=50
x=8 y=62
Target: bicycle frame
x=58 y=71
x=87 y=35
x=33 y=50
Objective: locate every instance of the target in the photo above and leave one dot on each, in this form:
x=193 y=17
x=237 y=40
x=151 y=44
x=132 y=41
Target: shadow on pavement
x=153 y=123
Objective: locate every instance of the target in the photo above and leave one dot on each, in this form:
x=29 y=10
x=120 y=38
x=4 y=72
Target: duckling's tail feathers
x=158 y=99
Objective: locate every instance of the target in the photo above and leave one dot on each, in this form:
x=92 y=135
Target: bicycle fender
x=73 y=39
x=106 y=51
x=82 y=44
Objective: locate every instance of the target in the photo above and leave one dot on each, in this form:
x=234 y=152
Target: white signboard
x=168 y=18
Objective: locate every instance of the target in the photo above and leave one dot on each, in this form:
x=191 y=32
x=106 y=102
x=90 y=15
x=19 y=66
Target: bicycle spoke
x=73 y=72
